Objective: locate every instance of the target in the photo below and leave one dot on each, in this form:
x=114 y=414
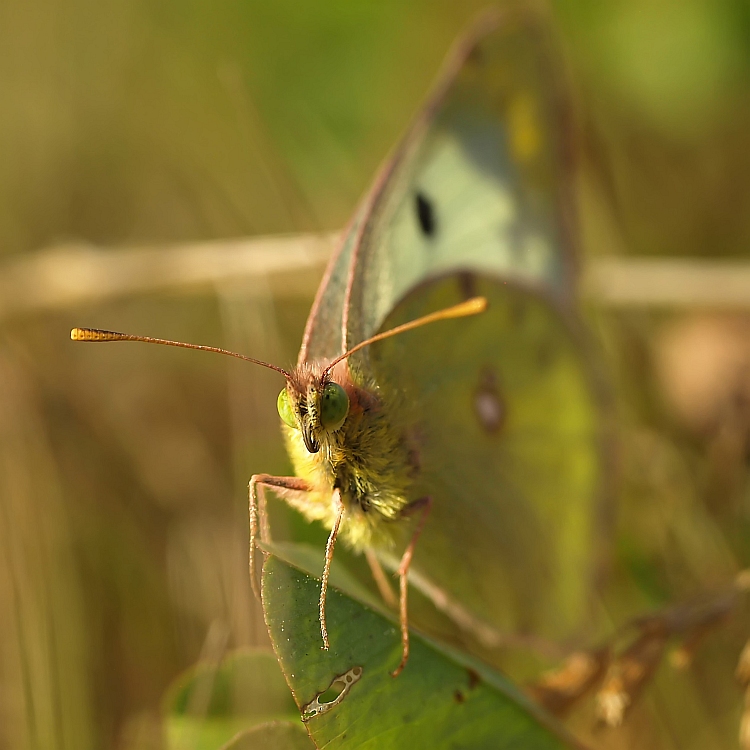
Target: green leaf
x=210 y=703
x=281 y=735
x=441 y=700
x=310 y=558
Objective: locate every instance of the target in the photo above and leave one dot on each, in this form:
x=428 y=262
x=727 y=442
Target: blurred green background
x=123 y=470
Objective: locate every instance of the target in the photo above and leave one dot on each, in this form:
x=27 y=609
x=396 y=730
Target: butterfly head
x=315 y=404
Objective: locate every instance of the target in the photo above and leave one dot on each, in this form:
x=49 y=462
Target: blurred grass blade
x=73 y=274
x=440 y=701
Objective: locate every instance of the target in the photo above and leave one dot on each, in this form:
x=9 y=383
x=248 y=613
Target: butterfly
x=474 y=446
x=444 y=416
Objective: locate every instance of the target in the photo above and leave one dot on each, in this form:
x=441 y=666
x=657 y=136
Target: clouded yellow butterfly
x=443 y=413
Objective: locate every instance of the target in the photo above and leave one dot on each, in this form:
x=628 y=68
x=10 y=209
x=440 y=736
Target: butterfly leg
x=425 y=505
x=257 y=515
x=380 y=578
x=485 y=634
x=339 y=507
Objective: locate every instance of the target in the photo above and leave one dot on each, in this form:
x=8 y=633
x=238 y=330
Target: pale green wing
x=504 y=422
x=479 y=184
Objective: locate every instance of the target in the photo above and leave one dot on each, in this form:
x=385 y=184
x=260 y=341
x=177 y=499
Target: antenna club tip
x=93 y=334
x=478 y=304
x=472 y=306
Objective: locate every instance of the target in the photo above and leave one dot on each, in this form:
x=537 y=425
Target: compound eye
x=334 y=406
x=286 y=411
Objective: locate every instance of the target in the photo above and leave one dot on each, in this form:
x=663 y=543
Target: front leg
x=289 y=489
x=339 y=507
x=257 y=513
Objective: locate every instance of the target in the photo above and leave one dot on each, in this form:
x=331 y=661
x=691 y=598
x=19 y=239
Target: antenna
x=473 y=306
x=96 y=334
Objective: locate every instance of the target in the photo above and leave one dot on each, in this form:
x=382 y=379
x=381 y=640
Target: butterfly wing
x=475 y=184
x=502 y=412
x=505 y=424
x=479 y=184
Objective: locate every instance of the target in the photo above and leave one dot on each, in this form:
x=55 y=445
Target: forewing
x=480 y=183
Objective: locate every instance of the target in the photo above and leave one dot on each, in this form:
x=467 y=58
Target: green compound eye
x=334 y=406
x=286 y=412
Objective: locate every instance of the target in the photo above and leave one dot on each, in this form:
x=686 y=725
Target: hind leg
x=425 y=505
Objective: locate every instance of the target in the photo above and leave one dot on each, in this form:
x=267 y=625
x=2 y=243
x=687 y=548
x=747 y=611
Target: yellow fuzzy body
x=367 y=458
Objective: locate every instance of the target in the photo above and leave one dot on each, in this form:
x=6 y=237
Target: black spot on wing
x=425 y=209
